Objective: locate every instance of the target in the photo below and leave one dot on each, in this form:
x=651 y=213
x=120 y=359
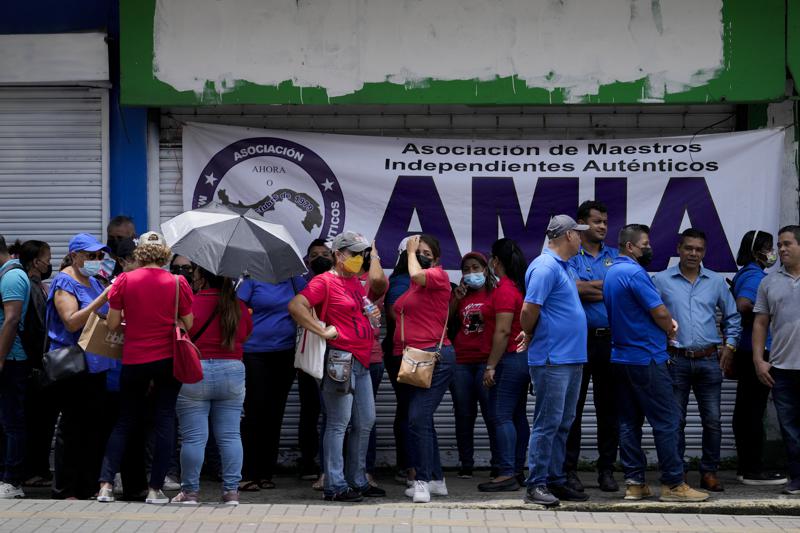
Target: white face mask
x=90 y=268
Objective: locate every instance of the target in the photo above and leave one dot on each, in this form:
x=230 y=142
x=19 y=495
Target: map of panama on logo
x=299 y=189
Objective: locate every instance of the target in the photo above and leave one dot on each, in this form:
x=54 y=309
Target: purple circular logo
x=329 y=216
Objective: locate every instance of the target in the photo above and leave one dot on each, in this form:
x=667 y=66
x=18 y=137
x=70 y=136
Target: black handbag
x=63 y=363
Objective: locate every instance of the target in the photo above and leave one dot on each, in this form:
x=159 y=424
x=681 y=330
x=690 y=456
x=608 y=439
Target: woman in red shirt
x=467 y=307
x=145 y=297
x=506 y=372
x=221 y=325
x=422 y=312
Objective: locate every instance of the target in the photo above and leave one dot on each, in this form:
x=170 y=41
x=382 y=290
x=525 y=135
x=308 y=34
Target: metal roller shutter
x=53 y=164
x=557 y=122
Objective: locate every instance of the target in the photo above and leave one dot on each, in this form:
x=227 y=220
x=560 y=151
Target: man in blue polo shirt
x=589 y=268
x=640 y=323
x=15 y=289
x=693 y=294
x=553 y=316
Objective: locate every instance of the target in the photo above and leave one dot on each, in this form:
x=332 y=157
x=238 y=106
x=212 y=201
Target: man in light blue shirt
x=554 y=323
x=15 y=289
x=693 y=295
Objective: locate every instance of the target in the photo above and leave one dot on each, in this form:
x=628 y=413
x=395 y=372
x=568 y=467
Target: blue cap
x=83 y=242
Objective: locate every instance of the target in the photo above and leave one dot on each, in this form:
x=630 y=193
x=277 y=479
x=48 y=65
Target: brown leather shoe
x=709 y=481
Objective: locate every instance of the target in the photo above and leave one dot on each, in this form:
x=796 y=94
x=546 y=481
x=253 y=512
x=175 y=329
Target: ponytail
x=228 y=308
x=513 y=260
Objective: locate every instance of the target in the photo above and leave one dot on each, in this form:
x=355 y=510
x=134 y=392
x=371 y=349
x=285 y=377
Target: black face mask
x=113 y=243
x=424 y=261
x=646 y=258
x=320 y=264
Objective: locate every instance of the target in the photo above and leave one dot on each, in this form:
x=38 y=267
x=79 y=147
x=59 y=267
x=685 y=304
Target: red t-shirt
x=505 y=298
x=210 y=342
x=424 y=311
x=344 y=311
x=469 y=341
x=146 y=297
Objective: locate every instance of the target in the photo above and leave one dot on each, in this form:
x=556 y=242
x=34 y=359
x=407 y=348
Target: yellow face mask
x=354 y=264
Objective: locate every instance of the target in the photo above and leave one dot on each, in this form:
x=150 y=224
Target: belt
x=599 y=332
x=699 y=353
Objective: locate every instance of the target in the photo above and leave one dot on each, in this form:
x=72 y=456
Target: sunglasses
x=93 y=256
x=181 y=269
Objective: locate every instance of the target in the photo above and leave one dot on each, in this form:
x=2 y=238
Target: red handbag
x=186 y=366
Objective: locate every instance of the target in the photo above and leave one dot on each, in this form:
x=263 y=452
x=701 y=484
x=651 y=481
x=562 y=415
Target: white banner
x=468 y=193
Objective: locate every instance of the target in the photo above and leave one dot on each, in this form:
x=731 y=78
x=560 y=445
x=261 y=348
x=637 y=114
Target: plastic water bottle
x=369 y=308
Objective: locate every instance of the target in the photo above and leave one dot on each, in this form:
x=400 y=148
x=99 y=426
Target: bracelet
x=731 y=347
x=488 y=367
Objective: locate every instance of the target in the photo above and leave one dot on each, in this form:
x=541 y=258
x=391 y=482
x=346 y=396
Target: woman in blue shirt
x=755 y=254
x=269 y=374
x=74 y=295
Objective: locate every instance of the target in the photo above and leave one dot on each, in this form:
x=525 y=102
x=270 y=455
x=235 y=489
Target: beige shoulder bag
x=416 y=366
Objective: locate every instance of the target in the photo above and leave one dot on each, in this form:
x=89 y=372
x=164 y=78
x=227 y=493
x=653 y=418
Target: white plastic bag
x=309 y=355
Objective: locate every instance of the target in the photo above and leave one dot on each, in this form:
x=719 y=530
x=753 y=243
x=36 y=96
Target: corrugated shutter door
x=52 y=166
x=453 y=121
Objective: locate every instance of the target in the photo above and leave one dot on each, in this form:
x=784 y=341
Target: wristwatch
x=489 y=367
x=731 y=347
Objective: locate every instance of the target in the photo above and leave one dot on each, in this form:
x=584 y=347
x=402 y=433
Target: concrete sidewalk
x=737 y=499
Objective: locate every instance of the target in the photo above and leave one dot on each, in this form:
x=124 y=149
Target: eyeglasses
x=94 y=256
x=181 y=269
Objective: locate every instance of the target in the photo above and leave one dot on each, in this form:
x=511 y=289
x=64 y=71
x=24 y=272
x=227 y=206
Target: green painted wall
x=793 y=40
x=754 y=43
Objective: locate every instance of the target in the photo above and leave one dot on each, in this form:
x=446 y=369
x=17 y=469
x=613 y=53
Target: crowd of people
x=582 y=311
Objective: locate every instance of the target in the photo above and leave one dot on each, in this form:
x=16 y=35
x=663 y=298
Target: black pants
x=268 y=379
x=41 y=415
x=13 y=378
x=310 y=408
x=748 y=414
x=132 y=469
x=135 y=381
x=400 y=427
x=598 y=368
x=79 y=436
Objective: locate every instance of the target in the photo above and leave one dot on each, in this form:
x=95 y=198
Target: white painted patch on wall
x=67 y=58
x=340 y=45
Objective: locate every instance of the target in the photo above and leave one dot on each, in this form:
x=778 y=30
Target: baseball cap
x=83 y=242
x=355 y=242
x=152 y=237
x=474 y=255
x=560 y=224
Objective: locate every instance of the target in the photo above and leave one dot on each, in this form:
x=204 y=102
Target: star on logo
x=210 y=179
x=328 y=184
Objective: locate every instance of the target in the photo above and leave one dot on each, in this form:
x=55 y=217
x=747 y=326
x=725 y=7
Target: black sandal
x=266 y=484
x=249 y=486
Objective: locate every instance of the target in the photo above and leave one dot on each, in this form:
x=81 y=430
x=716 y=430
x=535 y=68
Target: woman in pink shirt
x=221 y=325
x=145 y=298
x=422 y=313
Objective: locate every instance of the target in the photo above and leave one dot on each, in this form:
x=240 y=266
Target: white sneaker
x=419 y=492
x=9 y=491
x=156 y=497
x=171 y=484
x=105 y=495
x=437 y=487
x=118 y=484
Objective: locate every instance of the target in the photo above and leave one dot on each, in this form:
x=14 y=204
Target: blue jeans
x=468 y=392
x=646 y=391
x=423 y=444
x=376 y=375
x=557 y=388
x=509 y=399
x=218 y=396
x=704 y=377
x=355 y=408
x=786 y=396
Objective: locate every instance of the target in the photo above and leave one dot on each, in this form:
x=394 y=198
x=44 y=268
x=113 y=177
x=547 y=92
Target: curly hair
x=146 y=254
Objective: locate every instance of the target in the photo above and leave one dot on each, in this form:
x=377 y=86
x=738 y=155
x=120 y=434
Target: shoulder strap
x=403 y=332
x=177 y=290
x=205 y=326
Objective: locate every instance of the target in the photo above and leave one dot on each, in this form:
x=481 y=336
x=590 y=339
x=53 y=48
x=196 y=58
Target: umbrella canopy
x=230 y=241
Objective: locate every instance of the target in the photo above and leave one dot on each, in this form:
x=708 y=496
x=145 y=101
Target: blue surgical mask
x=475 y=280
x=90 y=268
